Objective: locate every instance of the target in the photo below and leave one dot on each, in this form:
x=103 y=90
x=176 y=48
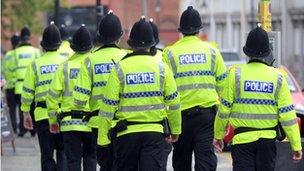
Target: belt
x=75 y=114
x=197 y=109
x=89 y=116
x=136 y=123
x=41 y=104
x=20 y=80
x=250 y=129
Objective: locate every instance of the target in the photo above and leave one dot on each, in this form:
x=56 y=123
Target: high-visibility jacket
x=256 y=96
x=25 y=54
x=60 y=92
x=93 y=77
x=159 y=54
x=8 y=67
x=38 y=77
x=65 y=49
x=198 y=69
x=138 y=90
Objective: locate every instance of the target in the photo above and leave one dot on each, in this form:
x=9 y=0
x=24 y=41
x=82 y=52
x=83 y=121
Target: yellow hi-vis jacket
x=24 y=55
x=65 y=49
x=92 y=79
x=8 y=67
x=60 y=92
x=257 y=96
x=140 y=89
x=199 y=71
x=38 y=78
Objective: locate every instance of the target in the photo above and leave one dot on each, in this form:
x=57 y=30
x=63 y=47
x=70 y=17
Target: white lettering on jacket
x=103 y=68
x=258 y=86
x=192 y=58
x=74 y=73
x=46 y=69
x=140 y=78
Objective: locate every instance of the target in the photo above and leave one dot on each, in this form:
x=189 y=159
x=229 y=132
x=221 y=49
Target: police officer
x=65 y=49
x=38 y=77
x=25 y=53
x=137 y=93
x=77 y=136
x=253 y=103
x=8 y=73
x=93 y=77
x=199 y=72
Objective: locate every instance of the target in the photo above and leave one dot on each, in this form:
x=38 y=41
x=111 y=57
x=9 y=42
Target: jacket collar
x=136 y=53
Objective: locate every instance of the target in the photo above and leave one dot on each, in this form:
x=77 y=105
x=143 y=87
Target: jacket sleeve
x=165 y=56
x=287 y=116
x=55 y=94
x=172 y=100
x=83 y=86
x=28 y=90
x=220 y=71
x=109 y=106
x=222 y=116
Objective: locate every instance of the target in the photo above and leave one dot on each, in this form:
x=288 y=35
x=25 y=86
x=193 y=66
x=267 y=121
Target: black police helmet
x=15 y=40
x=190 y=21
x=82 y=41
x=25 y=34
x=155 y=31
x=51 y=37
x=141 y=36
x=257 y=44
x=110 y=29
x=64 y=33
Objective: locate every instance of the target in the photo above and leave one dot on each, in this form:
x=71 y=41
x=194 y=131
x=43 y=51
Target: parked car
x=231 y=57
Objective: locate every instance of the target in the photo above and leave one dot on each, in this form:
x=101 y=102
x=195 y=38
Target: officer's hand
x=218 y=145
x=297 y=155
x=54 y=128
x=27 y=120
x=172 y=139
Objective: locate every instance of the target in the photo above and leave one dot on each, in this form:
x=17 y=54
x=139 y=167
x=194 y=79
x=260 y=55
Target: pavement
x=27 y=156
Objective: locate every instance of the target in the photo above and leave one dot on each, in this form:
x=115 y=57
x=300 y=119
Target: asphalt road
x=27 y=157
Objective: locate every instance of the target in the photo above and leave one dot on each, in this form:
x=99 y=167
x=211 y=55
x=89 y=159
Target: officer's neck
x=258 y=61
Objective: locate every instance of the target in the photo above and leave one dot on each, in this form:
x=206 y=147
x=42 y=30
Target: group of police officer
x=125 y=109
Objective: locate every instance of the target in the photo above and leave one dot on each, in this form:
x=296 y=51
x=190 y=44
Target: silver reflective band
x=237 y=78
x=289 y=123
x=213 y=55
x=222 y=115
x=172 y=62
x=161 y=75
x=106 y=114
x=174 y=107
x=27 y=101
x=141 y=108
x=97 y=97
x=195 y=86
x=42 y=94
x=79 y=102
x=89 y=68
x=253 y=116
x=35 y=71
x=53 y=94
x=52 y=114
x=120 y=76
x=279 y=84
x=72 y=122
x=66 y=79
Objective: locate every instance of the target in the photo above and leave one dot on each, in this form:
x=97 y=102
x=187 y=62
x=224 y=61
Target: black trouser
x=166 y=152
x=78 y=145
x=139 y=151
x=48 y=143
x=12 y=103
x=256 y=156
x=104 y=155
x=197 y=136
x=22 y=129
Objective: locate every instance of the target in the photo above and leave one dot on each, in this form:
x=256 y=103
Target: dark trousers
x=104 y=155
x=11 y=103
x=139 y=151
x=166 y=152
x=197 y=137
x=256 y=156
x=80 y=145
x=48 y=143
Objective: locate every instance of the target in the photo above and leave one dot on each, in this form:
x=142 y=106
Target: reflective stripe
x=255 y=101
x=172 y=62
x=194 y=73
x=79 y=102
x=289 y=122
x=53 y=94
x=171 y=96
x=28 y=90
x=222 y=115
x=237 y=78
x=213 y=56
x=42 y=94
x=120 y=76
x=161 y=75
x=226 y=103
x=82 y=90
x=286 y=109
x=253 y=116
x=174 y=107
x=279 y=84
x=141 y=94
x=89 y=67
x=52 y=114
x=195 y=86
x=110 y=101
x=45 y=82
x=99 y=84
x=27 y=101
x=141 y=108
x=66 y=79
x=221 y=77
x=106 y=114
x=97 y=97
x=34 y=67
x=72 y=122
